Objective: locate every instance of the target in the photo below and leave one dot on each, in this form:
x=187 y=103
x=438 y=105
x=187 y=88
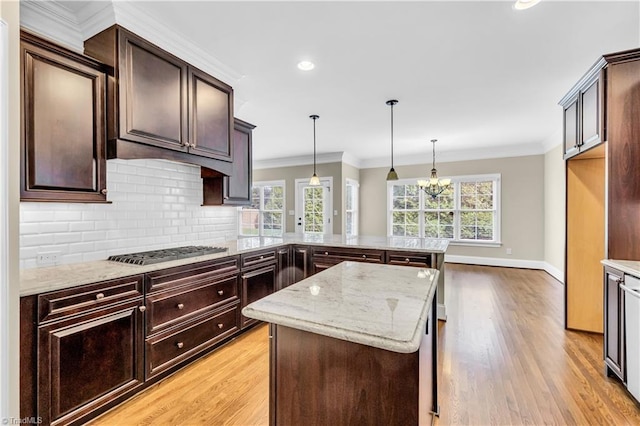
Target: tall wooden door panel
x=63 y=153
x=624 y=150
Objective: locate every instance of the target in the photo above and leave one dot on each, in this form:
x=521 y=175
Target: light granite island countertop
x=356 y=344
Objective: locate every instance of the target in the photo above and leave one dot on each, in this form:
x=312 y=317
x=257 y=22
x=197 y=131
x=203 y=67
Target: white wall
x=554 y=212
x=155 y=204
x=9 y=330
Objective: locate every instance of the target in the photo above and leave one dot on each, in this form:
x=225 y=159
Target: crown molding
x=460 y=155
x=95 y=17
x=351 y=160
x=330 y=157
x=52 y=20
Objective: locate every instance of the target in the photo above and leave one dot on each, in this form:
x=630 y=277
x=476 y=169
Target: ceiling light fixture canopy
x=392 y=175
x=525 y=4
x=315 y=180
x=434 y=186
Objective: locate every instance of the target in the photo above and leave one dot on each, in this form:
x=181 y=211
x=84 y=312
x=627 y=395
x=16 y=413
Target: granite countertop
x=631 y=267
x=40 y=280
x=384 y=306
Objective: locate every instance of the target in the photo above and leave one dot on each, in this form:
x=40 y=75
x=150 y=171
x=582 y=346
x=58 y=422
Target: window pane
x=313 y=210
x=249 y=222
x=273 y=198
x=255 y=198
x=349 y=198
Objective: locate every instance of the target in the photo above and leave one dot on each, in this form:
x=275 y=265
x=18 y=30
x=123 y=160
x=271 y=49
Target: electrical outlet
x=48 y=259
x=508 y=251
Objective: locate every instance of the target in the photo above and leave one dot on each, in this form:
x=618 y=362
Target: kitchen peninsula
x=160 y=317
x=354 y=344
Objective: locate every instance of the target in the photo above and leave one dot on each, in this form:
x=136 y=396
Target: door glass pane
x=314 y=209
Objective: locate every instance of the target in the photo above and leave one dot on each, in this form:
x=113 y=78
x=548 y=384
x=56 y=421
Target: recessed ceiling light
x=525 y=4
x=306 y=65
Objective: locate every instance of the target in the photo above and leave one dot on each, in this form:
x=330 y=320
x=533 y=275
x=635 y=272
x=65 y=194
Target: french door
x=313 y=207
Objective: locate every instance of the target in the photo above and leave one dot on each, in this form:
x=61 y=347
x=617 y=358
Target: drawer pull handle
x=180 y=306
x=261 y=257
x=364 y=256
x=326 y=253
x=99 y=296
x=220 y=292
x=104 y=191
x=407 y=260
x=142 y=308
x=180 y=345
x=220 y=325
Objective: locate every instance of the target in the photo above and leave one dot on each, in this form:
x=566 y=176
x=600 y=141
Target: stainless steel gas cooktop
x=165 y=255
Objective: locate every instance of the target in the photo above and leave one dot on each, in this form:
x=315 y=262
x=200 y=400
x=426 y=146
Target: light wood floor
x=505 y=359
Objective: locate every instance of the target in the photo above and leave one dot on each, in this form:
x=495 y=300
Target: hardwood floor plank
x=505 y=359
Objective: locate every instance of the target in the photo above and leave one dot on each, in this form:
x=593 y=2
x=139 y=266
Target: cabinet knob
x=180 y=345
x=220 y=292
x=180 y=306
x=261 y=257
x=104 y=191
x=220 y=325
x=364 y=256
x=142 y=308
x=407 y=260
x=99 y=296
x=326 y=253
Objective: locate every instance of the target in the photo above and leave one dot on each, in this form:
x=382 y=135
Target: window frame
x=356 y=203
x=261 y=210
x=496 y=178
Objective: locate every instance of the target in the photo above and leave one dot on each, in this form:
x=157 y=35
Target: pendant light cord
x=433 y=141
x=392 y=135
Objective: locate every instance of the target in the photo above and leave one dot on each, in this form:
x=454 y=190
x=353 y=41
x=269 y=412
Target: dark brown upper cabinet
x=233 y=190
x=63 y=116
x=157 y=100
x=584 y=112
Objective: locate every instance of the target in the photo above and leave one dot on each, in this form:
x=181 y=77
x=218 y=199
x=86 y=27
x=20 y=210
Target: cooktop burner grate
x=165 y=255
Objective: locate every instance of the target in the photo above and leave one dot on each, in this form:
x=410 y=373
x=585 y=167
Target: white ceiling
x=479 y=76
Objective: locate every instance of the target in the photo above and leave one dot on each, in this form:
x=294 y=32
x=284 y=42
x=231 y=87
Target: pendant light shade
x=315 y=180
x=434 y=186
x=392 y=175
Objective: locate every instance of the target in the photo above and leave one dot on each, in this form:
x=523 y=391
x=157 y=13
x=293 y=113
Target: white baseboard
x=509 y=263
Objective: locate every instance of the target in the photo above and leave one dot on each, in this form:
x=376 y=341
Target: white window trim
x=497 y=177
x=356 y=202
x=284 y=207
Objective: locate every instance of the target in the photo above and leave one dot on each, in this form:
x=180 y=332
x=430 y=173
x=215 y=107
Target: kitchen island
x=353 y=344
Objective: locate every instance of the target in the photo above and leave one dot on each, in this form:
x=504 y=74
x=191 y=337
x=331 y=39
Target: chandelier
x=434 y=186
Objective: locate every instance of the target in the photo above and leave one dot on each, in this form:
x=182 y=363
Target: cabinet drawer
x=166 y=308
x=356 y=255
x=188 y=274
x=258 y=258
x=72 y=301
x=408 y=258
x=170 y=348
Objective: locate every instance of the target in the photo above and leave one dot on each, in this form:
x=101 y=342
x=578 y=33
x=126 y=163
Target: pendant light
x=434 y=186
x=392 y=175
x=315 y=180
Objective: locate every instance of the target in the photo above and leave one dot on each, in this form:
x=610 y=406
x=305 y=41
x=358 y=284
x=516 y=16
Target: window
x=351 y=207
x=265 y=216
x=467 y=212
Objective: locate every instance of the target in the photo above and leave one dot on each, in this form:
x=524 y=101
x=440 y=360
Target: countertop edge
x=631 y=267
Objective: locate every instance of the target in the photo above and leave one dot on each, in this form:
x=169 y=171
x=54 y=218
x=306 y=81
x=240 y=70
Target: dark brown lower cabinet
x=284 y=267
x=301 y=263
x=256 y=284
x=87 y=361
x=614 y=349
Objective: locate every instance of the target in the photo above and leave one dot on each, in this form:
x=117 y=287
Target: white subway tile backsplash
x=154 y=204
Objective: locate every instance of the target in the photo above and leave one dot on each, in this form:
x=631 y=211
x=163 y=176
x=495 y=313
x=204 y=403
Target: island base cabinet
x=320 y=380
x=86 y=363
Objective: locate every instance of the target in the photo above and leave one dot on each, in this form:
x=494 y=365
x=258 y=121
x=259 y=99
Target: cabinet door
x=211 y=115
x=257 y=284
x=153 y=95
x=301 y=263
x=87 y=361
x=613 y=323
x=571 y=129
x=590 y=115
x=63 y=117
x=284 y=268
x=237 y=187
